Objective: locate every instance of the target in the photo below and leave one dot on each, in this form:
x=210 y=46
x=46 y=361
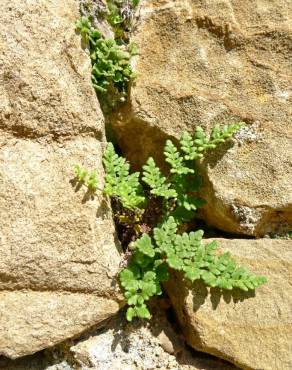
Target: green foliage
x=165 y=247
x=180 y=187
x=119 y=182
x=194 y=146
x=120 y=17
x=111 y=67
x=92 y=181
x=114 y=18
x=176 y=161
x=141 y=279
x=185 y=253
x=153 y=177
x=188 y=254
x=80 y=173
x=84 y=177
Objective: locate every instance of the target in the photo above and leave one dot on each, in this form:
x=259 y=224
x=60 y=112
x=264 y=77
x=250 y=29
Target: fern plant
x=164 y=247
x=111 y=68
x=153 y=256
x=121 y=186
x=119 y=182
x=179 y=189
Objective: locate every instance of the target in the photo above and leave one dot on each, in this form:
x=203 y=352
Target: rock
x=33 y=362
x=119 y=345
x=209 y=62
x=169 y=342
x=136 y=346
x=252 y=330
x=58 y=254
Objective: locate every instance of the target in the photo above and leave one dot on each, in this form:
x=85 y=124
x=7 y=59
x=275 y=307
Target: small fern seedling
x=88 y=179
x=92 y=182
x=81 y=174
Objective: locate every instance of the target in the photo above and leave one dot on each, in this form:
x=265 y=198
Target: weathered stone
x=120 y=345
x=204 y=62
x=137 y=346
x=254 y=329
x=58 y=255
x=36 y=320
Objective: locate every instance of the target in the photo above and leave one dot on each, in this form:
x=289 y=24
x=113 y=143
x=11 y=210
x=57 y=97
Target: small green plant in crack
x=179 y=189
x=93 y=8
x=111 y=68
x=165 y=247
x=120 y=183
x=123 y=187
x=121 y=16
x=86 y=178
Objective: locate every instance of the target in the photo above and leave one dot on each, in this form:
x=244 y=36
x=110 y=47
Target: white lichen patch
x=248 y=133
x=123 y=347
x=248 y=218
x=282 y=94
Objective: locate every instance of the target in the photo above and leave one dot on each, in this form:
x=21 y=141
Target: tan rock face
x=205 y=62
x=34 y=320
x=57 y=250
x=253 y=330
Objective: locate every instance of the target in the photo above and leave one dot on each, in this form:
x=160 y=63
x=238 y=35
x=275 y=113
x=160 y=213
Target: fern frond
x=80 y=173
x=153 y=177
x=188 y=147
x=92 y=181
x=116 y=167
x=176 y=161
x=195 y=146
x=200 y=139
x=182 y=252
x=140 y=284
x=119 y=182
x=165 y=234
x=220 y=135
x=144 y=245
x=187 y=253
x=199 y=261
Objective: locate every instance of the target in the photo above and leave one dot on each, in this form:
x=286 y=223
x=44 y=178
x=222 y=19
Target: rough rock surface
x=139 y=346
x=252 y=330
x=204 y=62
x=122 y=346
x=57 y=248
